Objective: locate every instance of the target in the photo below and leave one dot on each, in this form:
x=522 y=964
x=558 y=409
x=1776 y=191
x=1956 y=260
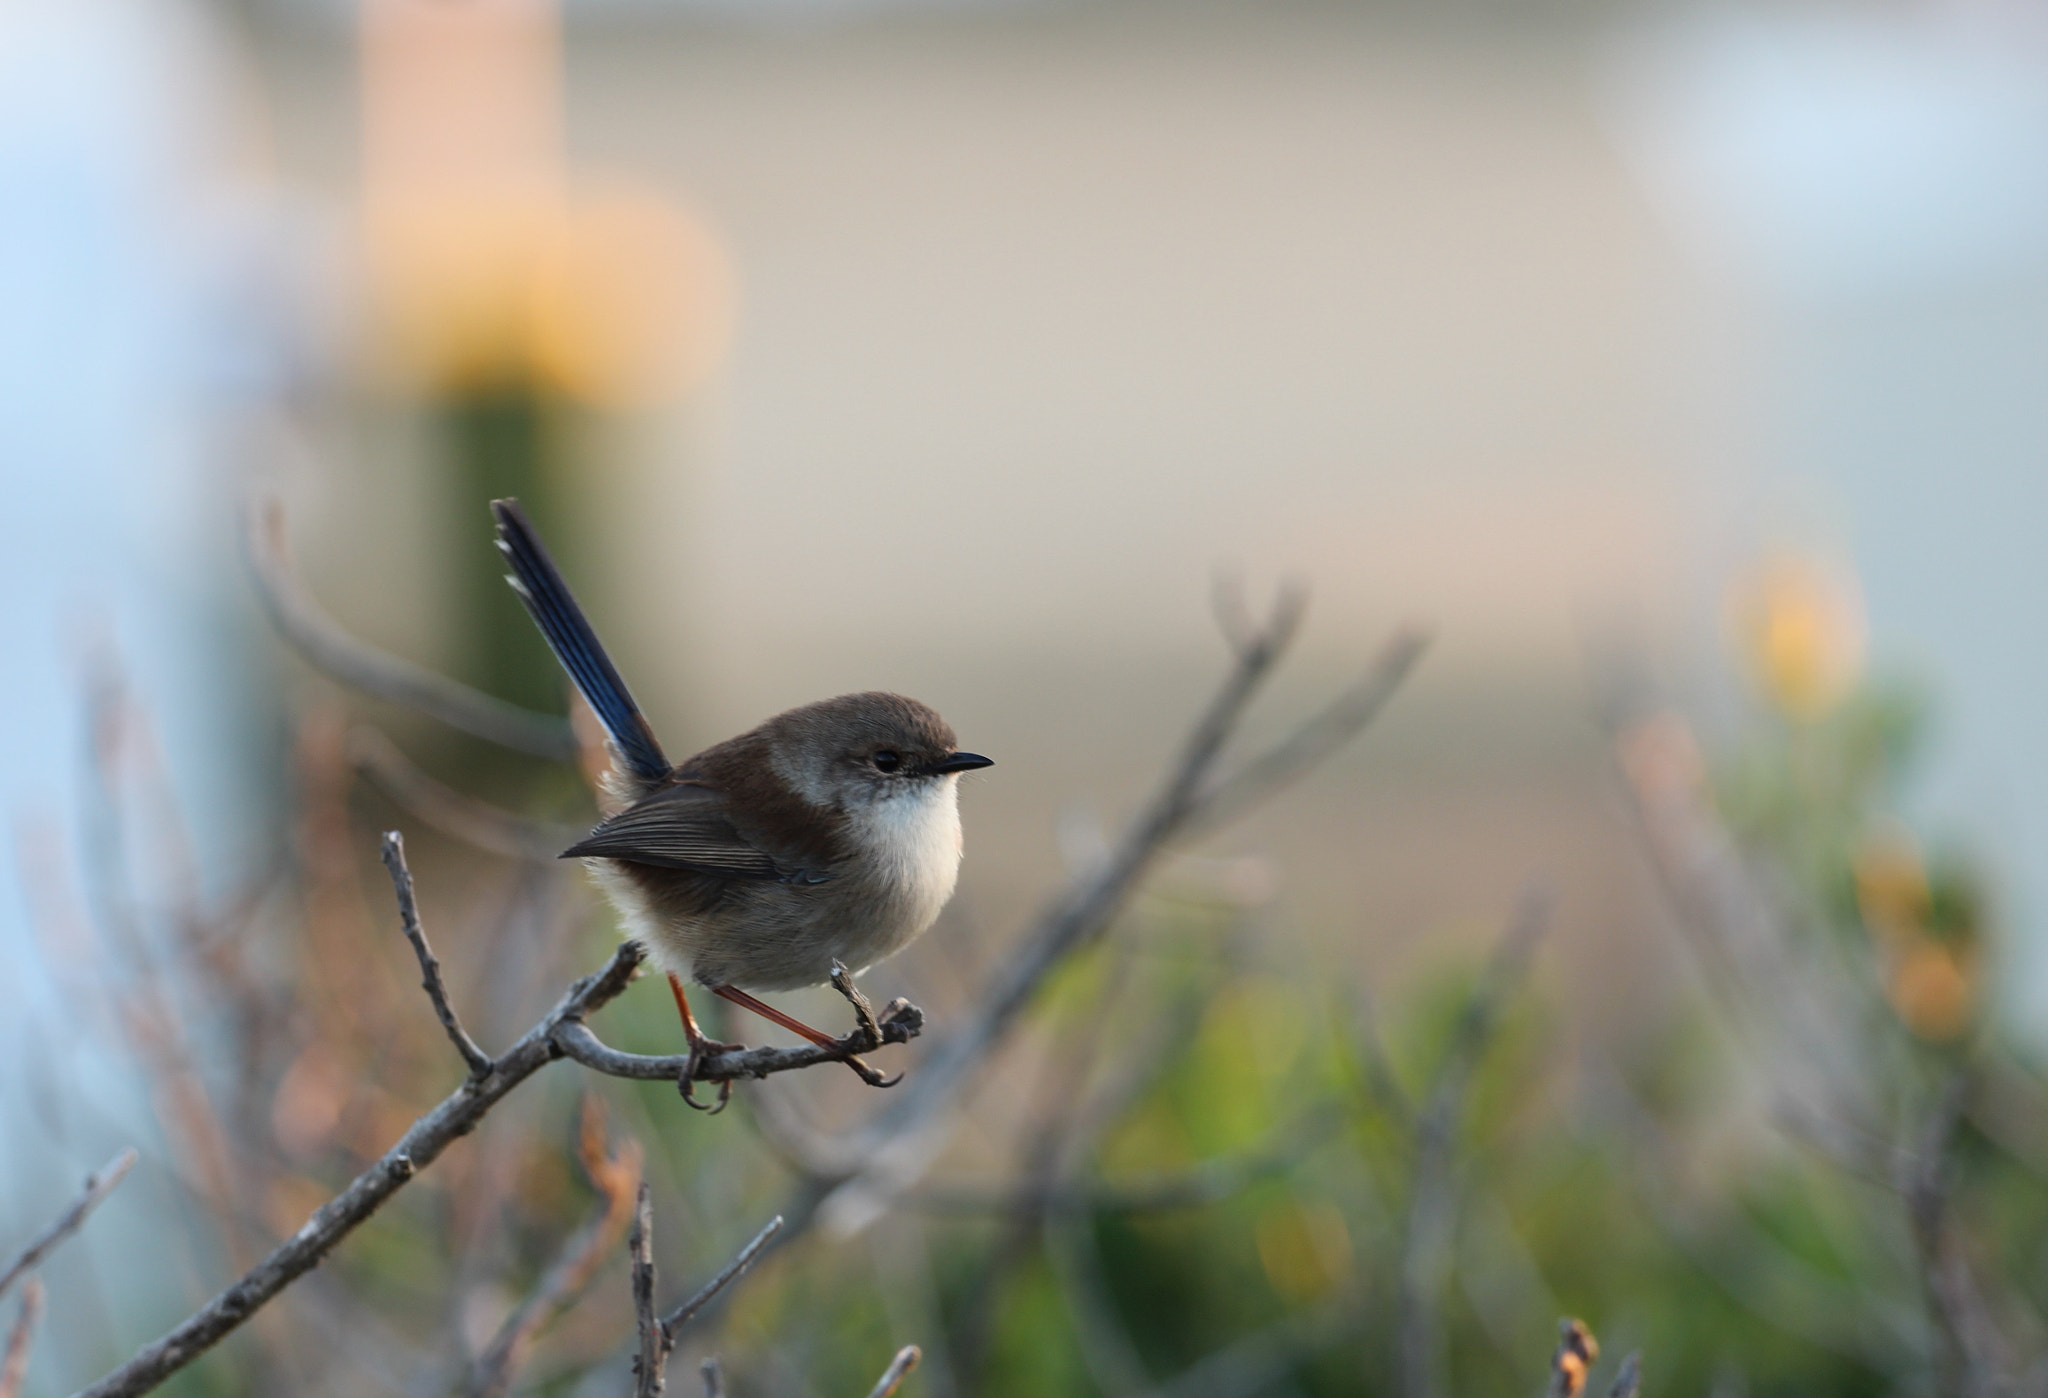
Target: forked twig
x=657 y=1334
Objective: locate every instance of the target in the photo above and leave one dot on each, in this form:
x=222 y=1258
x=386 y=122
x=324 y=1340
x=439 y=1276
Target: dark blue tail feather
x=540 y=585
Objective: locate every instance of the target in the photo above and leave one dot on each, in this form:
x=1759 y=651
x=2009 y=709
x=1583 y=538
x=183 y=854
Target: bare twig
x=650 y=1361
x=14 y=1363
x=1629 y=1382
x=1312 y=743
x=577 y=1041
x=1573 y=1361
x=1432 y=1201
x=682 y=1315
x=456 y=1116
x=430 y=969
x=98 y=1186
x=617 y=1179
x=896 y=1146
x=899 y=1369
x=657 y=1334
x=474 y=822
x=714 y=1378
x=334 y=652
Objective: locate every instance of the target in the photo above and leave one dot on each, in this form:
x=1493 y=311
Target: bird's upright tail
x=541 y=587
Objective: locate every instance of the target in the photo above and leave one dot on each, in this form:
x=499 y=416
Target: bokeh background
x=1676 y=365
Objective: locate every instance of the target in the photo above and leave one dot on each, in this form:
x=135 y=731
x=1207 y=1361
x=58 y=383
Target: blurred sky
x=1535 y=328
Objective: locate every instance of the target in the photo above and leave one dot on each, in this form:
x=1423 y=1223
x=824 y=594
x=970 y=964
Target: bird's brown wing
x=685 y=827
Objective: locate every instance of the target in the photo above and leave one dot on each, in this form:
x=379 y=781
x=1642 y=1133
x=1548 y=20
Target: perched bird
x=831 y=833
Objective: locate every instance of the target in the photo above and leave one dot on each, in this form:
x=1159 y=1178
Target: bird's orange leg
x=770 y=1013
x=700 y=1047
x=796 y=1026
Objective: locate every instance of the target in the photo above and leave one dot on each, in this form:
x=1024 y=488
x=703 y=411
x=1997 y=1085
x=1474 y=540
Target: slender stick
x=650 y=1361
x=682 y=1315
x=430 y=969
x=98 y=1186
x=14 y=1363
x=899 y=1369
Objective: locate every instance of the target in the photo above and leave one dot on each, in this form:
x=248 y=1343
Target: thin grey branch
x=469 y=820
x=14 y=1362
x=1431 y=1218
x=1314 y=741
x=673 y=1323
x=97 y=1187
x=657 y=1335
x=336 y=653
x=422 y=1144
x=650 y=1360
x=900 y=1024
x=714 y=1378
x=899 y=1369
x=430 y=969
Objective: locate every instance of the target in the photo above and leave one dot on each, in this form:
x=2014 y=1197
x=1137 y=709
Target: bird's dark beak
x=961 y=762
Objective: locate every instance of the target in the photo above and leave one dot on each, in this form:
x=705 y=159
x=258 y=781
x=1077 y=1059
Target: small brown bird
x=831 y=833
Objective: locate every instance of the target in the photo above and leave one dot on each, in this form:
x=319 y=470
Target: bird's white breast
x=914 y=841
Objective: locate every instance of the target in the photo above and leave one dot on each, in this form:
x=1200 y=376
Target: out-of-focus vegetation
x=1208 y=1165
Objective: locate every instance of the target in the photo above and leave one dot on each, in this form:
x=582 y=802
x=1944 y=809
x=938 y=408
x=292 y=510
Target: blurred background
x=1679 y=366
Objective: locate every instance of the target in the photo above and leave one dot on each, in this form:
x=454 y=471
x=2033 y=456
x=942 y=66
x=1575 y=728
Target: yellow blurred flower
x=614 y=299
x=1932 y=989
x=1799 y=627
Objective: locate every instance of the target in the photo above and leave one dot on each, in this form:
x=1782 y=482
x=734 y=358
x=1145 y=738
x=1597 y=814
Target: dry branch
x=97 y=1187
x=330 y=649
x=1629 y=1382
x=657 y=1334
x=899 y=1369
x=14 y=1362
x=430 y=969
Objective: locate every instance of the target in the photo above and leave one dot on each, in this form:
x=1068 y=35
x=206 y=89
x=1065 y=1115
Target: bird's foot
x=700 y=1049
x=899 y=1023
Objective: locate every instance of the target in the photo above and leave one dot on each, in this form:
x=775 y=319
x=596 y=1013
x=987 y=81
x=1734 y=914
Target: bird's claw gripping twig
x=899 y=1022
x=701 y=1049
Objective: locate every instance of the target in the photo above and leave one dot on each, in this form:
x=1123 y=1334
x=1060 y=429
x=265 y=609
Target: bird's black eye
x=887 y=761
